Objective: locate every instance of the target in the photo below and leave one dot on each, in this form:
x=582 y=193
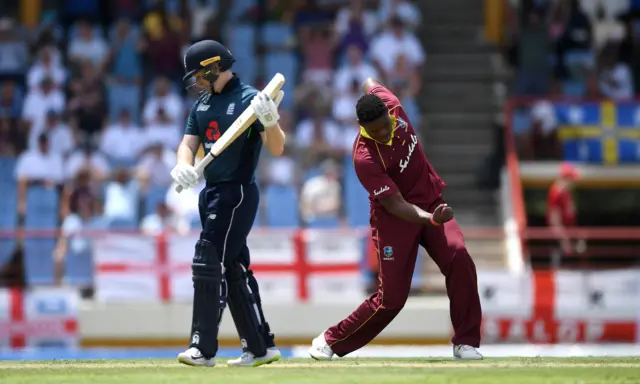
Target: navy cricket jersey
x=211 y=116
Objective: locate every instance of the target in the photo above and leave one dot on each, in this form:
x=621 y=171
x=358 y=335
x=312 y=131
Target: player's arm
x=188 y=148
x=266 y=109
x=184 y=173
x=398 y=206
x=273 y=139
x=377 y=182
x=375 y=87
x=191 y=141
x=369 y=83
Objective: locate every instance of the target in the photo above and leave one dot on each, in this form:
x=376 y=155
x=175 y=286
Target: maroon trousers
x=397 y=246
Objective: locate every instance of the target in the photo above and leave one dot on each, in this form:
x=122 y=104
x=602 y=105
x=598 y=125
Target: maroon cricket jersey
x=397 y=166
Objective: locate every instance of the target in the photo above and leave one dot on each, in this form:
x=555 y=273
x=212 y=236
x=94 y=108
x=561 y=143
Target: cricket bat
x=242 y=123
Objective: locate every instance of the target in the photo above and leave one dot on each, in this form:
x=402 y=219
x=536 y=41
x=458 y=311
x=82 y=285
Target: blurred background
x=526 y=108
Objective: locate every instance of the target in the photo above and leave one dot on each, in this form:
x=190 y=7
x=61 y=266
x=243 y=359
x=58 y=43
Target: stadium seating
x=275 y=34
x=42 y=208
x=287 y=64
x=154 y=196
x=122 y=96
x=78 y=266
x=281 y=206
x=38 y=261
x=356 y=198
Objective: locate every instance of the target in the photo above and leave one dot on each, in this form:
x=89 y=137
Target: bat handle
x=178 y=188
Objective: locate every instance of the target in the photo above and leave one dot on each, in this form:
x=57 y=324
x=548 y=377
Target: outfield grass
x=303 y=371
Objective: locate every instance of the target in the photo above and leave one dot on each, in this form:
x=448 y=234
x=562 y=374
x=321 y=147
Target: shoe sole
x=319 y=358
x=192 y=364
x=257 y=363
x=460 y=358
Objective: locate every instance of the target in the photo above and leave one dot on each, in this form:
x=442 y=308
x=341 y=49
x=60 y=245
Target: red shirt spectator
x=560 y=201
x=561 y=211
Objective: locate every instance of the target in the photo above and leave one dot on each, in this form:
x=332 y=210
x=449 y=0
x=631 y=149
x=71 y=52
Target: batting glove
x=185 y=175
x=265 y=109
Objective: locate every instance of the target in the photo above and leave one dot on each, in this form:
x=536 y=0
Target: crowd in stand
x=571 y=49
x=92 y=103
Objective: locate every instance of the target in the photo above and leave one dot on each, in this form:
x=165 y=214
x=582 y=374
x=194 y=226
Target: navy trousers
x=227 y=213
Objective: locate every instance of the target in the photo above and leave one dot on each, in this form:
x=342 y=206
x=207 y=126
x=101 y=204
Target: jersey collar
x=231 y=84
x=363 y=132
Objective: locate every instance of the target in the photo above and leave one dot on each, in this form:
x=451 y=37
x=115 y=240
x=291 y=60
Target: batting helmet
x=208 y=56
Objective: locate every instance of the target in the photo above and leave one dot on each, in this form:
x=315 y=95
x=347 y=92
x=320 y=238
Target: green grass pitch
x=355 y=370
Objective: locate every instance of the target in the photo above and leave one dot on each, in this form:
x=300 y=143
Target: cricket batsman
x=407 y=210
x=228 y=205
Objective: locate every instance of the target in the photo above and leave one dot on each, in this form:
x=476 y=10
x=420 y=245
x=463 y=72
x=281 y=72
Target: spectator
x=318 y=48
x=165 y=99
x=162 y=45
x=87 y=45
x=84 y=215
x=46 y=67
x=87 y=157
x=14 y=54
x=543 y=135
x=124 y=56
x=77 y=192
x=318 y=137
x=355 y=68
x=321 y=195
x=41 y=100
x=630 y=47
x=164 y=130
x=343 y=113
x=403 y=9
x=200 y=13
x=393 y=42
x=8 y=137
x=561 y=210
x=355 y=26
x=61 y=140
x=121 y=141
x=534 y=48
x=88 y=105
x=39 y=166
x=161 y=221
x=616 y=81
x=404 y=80
x=121 y=197
x=11 y=99
x=155 y=165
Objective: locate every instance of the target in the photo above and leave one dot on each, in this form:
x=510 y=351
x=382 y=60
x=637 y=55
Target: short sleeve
x=71 y=225
x=246 y=102
x=373 y=177
x=389 y=99
x=192 y=122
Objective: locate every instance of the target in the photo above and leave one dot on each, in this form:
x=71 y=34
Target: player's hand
x=185 y=175
x=442 y=214
x=265 y=109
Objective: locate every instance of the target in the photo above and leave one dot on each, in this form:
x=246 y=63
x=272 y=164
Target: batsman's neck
x=222 y=80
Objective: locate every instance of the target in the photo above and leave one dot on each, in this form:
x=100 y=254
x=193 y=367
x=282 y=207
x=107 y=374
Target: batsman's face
x=380 y=129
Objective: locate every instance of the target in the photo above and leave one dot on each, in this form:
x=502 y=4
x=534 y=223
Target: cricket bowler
x=228 y=205
x=407 y=210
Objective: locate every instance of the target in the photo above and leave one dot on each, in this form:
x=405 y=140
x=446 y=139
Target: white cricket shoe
x=247 y=359
x=193 y=357
x=319 y=349
x=465 y=352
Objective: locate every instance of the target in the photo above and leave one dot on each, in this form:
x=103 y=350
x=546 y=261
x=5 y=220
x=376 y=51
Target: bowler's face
x=380 y=129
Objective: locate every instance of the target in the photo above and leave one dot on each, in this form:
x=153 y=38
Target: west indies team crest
x=400 y=123
x=387 y=251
